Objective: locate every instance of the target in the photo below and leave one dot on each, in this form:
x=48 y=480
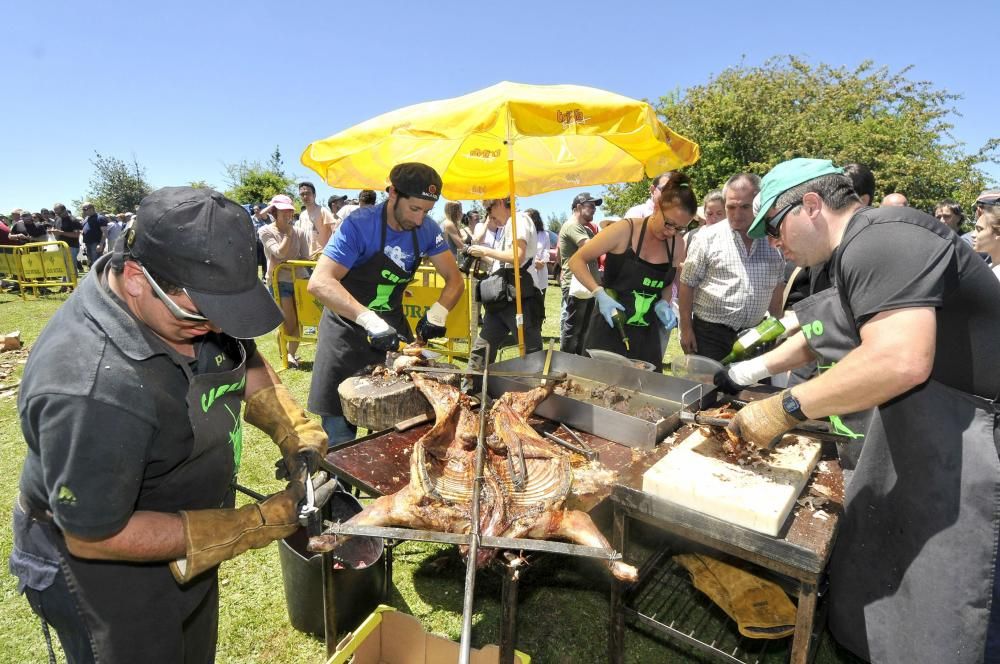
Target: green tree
x=250 y=182
x=554 y=221
x=117 y=186
x=752 y=118
x=200 y=184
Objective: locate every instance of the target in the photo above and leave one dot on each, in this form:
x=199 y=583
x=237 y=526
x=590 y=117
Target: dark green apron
x=137 y=612
x=639 y=285
x=912 y=571
x=343 y=347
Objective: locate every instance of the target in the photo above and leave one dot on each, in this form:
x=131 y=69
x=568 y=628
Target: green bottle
x=618 y=319
x=767 y=330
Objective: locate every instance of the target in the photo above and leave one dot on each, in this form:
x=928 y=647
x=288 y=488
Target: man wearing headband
x=360 y=279
x=909 y=326
x=126 y=505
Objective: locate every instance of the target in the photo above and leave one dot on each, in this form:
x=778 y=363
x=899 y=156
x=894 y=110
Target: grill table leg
x=508 y=616
x=616 y=636
x=804 y=617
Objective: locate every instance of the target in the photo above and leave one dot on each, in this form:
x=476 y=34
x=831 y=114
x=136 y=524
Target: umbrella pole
x=519 y=317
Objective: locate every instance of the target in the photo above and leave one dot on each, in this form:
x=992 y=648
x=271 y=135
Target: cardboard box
x=390 y=637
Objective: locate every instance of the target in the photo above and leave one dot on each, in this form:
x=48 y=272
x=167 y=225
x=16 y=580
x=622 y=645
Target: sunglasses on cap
x=178 y=312
x=772 y=226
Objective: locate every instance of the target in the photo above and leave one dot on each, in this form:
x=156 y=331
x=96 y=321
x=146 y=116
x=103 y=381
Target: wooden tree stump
x=379 y=402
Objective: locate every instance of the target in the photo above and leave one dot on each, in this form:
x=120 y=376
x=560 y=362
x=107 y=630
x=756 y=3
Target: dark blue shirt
x=357 y=240
x=92 y=226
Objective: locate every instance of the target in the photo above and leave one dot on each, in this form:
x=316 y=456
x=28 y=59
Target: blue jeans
x=338 y=429
x=93 y=252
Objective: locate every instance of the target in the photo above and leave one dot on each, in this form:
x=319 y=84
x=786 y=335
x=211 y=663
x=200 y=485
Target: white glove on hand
x=437 y=315
x=372 y=322
x=748 y=372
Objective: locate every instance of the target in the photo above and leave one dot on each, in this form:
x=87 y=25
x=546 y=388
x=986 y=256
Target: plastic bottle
x=618 y=319
x=767 y=330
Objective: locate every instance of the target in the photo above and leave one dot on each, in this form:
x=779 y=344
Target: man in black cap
x=126 y=505
x=576 y=232
x=360 y=279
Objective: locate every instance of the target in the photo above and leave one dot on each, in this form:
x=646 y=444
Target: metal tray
x=668 y=394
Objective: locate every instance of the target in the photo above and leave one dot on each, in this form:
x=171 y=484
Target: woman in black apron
x=911 y=581
x=343 y=348
x=640 y=273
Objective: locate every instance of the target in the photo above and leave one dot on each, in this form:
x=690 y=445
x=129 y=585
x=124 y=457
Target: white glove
x=437 y=315
x=748 y=372
x=372 y=322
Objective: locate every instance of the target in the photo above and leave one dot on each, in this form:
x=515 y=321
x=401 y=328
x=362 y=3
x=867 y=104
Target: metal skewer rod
x=470 y=564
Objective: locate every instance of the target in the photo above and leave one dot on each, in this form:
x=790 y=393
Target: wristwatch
x=792 y=406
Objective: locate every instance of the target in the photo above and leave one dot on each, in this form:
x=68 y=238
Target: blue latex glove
x=607 y=305
x=666 y=314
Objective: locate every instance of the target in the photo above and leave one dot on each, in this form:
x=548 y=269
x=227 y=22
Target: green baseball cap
x=780 y=179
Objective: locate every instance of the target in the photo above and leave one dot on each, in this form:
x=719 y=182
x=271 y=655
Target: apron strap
x=642 y=235
x=788 y=287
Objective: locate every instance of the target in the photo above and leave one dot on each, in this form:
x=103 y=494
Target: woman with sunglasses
x=642 y=260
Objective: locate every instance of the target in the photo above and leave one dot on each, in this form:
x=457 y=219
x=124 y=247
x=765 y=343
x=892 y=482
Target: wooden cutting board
x=696 y=475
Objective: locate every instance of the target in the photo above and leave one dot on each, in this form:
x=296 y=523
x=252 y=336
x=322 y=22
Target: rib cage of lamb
x=442 y=468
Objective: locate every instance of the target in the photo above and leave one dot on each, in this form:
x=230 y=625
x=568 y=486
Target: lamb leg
x=577 y=527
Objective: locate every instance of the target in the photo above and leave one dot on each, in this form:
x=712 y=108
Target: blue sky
x=188 y=87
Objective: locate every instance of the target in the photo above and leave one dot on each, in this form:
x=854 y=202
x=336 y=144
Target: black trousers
x=573 y=322
x=499 y=325
x=714 y=339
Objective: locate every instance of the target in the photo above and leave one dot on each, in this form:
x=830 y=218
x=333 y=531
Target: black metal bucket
x=357 y=591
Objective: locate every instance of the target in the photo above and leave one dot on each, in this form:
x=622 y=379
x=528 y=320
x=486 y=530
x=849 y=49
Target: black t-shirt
x=31 y=229
x=69 y=224
x=107 y=427
x=903 y=258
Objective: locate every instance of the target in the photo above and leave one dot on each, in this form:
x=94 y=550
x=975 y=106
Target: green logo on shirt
x=209 y=397
x=236 y=440
x=66 y=496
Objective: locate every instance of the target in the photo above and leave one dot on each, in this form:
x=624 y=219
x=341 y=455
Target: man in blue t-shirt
x=93 y=232
x=360 y=279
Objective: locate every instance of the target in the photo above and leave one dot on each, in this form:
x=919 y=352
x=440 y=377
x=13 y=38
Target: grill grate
x=664 y=600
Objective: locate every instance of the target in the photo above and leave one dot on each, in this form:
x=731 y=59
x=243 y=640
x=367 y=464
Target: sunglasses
x=178 y=312
x=773 y=225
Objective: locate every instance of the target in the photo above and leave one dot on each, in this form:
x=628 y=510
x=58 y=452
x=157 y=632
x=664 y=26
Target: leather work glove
x=213 y=536
x=762 y=423
x=607 y=305
x=302 y=441
x=760 y=608
x=432 y=323
x=666 y=314
x=738 y=376
x=382 y=336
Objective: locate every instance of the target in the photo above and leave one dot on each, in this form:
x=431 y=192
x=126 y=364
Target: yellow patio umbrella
x=508 y=139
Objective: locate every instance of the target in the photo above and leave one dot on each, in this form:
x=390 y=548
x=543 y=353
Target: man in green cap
x=910 y=324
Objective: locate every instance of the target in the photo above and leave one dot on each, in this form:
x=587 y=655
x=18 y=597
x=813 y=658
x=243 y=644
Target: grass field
x=563 y=607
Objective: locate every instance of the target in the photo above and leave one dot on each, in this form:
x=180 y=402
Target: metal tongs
x=581 y=447
x=815 y=430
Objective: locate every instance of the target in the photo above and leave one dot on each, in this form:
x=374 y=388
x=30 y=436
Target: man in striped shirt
x=729 y=281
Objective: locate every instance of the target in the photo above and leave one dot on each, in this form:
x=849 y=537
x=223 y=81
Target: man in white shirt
x=315 y=218
x=729 y=281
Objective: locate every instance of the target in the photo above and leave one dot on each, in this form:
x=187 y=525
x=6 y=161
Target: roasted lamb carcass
x=442 y=468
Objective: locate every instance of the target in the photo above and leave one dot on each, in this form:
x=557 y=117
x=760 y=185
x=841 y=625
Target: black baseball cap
x=202 y=241
x=336 y=199
x=416 y=180
x=584 y=198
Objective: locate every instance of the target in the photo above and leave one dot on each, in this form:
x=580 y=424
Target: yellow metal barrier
x=420 y=294
x=37 y=266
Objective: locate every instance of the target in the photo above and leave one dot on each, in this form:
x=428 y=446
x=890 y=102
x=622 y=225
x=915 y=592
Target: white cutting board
x=694 y=476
